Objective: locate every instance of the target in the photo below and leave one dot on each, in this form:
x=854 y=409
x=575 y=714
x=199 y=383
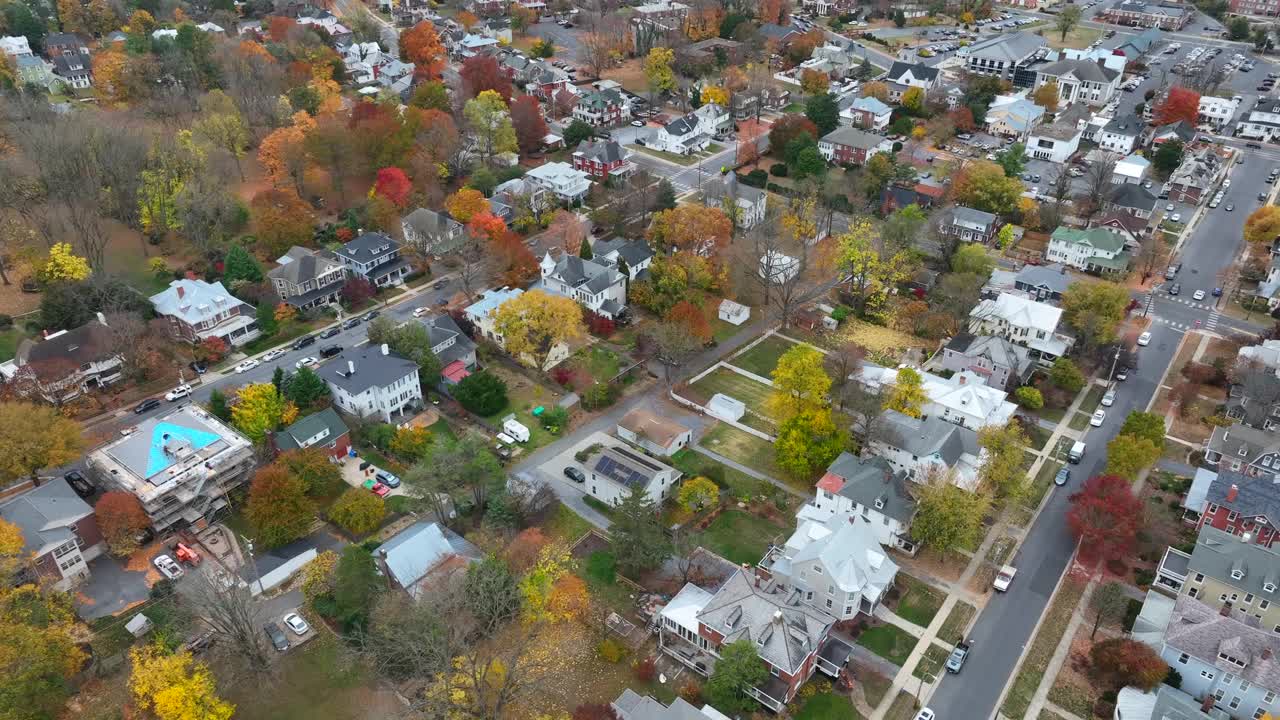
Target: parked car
x=294 y=622
x=79 y=483
x=198 y=367
x=1109 y=398
x=304 y=341
x=1175 y=288
x=1144 y=339
x=328 y=333
x=329 y=351
x=370 y=315
x=925 y=714
x=1197 y=295
x=575 y=474
x=146 y=405
x=958 y=656
x=1062 y=477
x=350 y=323
x=273 y=355
x=1004 y=578
x=168 y=567
x=176 y=394
x=276 y=635
x=386 y=478
x=1099 y=416
x=306 y=362
x=420 y=311
x=246 y=365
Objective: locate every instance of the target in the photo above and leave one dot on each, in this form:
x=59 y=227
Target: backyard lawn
x=754 y=452
x=566 y=525
x=740 y=536
x=523 y=396
x=315 y=680
x=1037 y=437
x=736 y=385
x=735 y=482
x=889 y=642
x=9 y=340
x=918 y=602
x=763 y=357
x=827 y=706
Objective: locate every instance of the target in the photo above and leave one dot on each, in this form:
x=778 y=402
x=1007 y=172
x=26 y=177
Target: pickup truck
x=1004 y=578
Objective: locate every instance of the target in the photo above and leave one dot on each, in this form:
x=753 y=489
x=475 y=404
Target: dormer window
x=879 y=503
x=1269 y=587
x=1244 y=451
x=1237 y=574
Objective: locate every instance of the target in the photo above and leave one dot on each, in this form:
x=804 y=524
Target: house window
x=817 y=569
x=1206 y=674
x=1183 y=658
x=1232 y=516
x=1269 y=698
x=808 y=596
x=1212 y=508
x=828 y=603
x=1218 y=694
x=1228 y=679
x=63 y=549
x=1199 y=577
x=1264 y=604
x=848 y=610
x=1244 y=685
x=1248 y=598
x=1259 y=712
x=1235 y=702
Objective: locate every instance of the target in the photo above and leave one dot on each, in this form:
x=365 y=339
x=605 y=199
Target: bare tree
x=673 y=347
x=864 y=405
x=796 y=284
x=473 y=257
x=842 y=361
x=1098 y=183
x=228 y=608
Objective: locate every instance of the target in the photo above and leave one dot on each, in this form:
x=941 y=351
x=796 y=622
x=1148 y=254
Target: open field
x=763 y=357
x=736 y=385
x=740 y=536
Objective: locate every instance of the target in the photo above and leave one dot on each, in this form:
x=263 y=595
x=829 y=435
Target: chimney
x=1207 y=704
x=385 y=350
x=181 y=291
x=1266 y=653
x=351 y=367
x=1232 y=492
x=102 y=319
x=1225 y=611
x=962 y=378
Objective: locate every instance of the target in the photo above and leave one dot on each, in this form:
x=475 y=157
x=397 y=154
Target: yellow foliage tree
x=715 y=94
x=877 y=90
x=1263 y=225
x=800 y=219
x=466 y=204
x=173 y=686
x=538 y=586
x=1046 y=96
x=800 y=384
x=260 y=409
x=64 y=265
x=907 y=395
x=534 y=323
x=697 y=494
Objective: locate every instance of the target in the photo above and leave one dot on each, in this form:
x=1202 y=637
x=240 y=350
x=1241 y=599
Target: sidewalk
x=1060 y=655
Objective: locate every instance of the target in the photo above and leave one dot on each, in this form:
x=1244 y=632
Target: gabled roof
x=45 y=515
x=88 y=343
x=658 y=430
x=368 y=246
x=722 y=186
x=423 y=548
x=853 y=137
x=1130 y=125
x=1133 y=195
x=1222 y=556
x=300 y=265
x=1243 y=443
x=1206 y=634
x=927 y=437
x=193 y=301
x=1009 y=47
x=682 y=125
x=442 y=329
x=1083 y=70
x=870 y=482
x=970 y=216
x=633 y=252
x=373 y=368
x=579 y=273
x=642 y=707
x=871 y=105
x=773 y=31
x=998 y=350
x=430 y=222
x=847 y=549
x=626 y=468
x=604 y=151
x=784 y=630
x=1019 y=311
x=326 y=421
x=1052 y=277
x=491 y=300
x=1255 y=496
x=1181 y=129
x=1019 y=113
x=1095 y=238
x=917 y=70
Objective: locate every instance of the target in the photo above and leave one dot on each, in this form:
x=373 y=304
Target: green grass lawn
x=315 y=680
x=889 y=642
x=953 y=628
x=721 y=330
x=602 y=363
x=763 y=357
x=565 y=525
x=1041 y=484
x=794 y=108
x=918 y=602
x=1079 y=421
x=669 y=157
x=736 y=385
x=9 y=340
x=735 y=482
x=740 y=536
x=827 y=706
x=930 y=665
x=1092 y=399
x=754 y=452
x=1052 y=414
x=1038 y=437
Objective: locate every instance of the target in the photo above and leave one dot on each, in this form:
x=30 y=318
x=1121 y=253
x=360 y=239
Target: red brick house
x=601 y=159
x=1242 y=505
x=851 y=146
x=59 y=533
x=324 y=429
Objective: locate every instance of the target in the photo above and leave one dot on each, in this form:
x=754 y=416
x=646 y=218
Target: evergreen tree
x=639 y=542
x=626 y=276
x=584 y=250
x=267 y=319
x=666 y=196
x=218 y=405
x=239 y=266
x=277 y=379
x=305 y=388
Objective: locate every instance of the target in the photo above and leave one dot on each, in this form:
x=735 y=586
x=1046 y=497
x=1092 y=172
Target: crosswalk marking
x=1212 y=323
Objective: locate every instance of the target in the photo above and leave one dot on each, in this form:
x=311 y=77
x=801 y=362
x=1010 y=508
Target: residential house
x=1059 y=140
x=693 y=132
x=1043 y=282
x=1263 y=355
x=1262 y=122
x=545 y=80
x=1003 y=55
x=455 y=351
x=792 y=638
x=472 y=45
x=1230 y=575
x=1240 y=448
x=431 y=232
x=1080 y=81
x=653 y=433
x=1242 y=505
x=602 y=160
x=902 y=76
x=34 y=70
x=1216 y=112
x=832 y=59
x=1166 y=15
x=307 y=278
x=851 y=146
x=867 y=113
x=197 y=310
x=1135 y=46
x=1256 y=8
x=325 y=430
x=15 y=46
x=1130 y=170
x=835 y=557
x=1269 y=288
x=181 y=465
x=1198 y=176
x=73 y=71
x=630 y=706
x=1130 y=228
x=1096 y=250
x=1163 y=703
x=1251 y=399
x=1132 y=199
x=769 y=98
x=964 y=398
x=1182 y=131
x=632 y=258
x=425 y=556
x=375 y=256
x=1121 y=133
x=66 y=364
x=601 y=108
x=1013 y=116
x=896 y=197
x=1022 y=321
x=724 y=190
x=370 y=381
x=65 y=44
x=778 y=267
x=59 y=532
x=482 y=315
x=969 y=225
x=520 y=193
x=616 y=471
x=561 y=179
x=597 y=286
x=1220 y=656
x=1003 y=364
x=921 y=447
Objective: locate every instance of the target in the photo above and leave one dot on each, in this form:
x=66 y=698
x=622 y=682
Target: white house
x=561 y=179
x=373 y=382
x=920 y=447
x=1263 y=121
x=904 y=76
x=693 y=132
x=964 y=398
x=1121 y=134
x=597 y=287
x=614 y=471
x=1080 y=81
x=734 y=313
x=866 y=112
x=749 y=202
x=1058 y=141
x=1216 y=112
x=1022 y=321
x=1132 y=169
x=655 y=434
x=778 y=267
x=15 y=46
x=197 y=310
x=870 y=489
x=635 y=256
x=1092 y=250
x=1013 y=116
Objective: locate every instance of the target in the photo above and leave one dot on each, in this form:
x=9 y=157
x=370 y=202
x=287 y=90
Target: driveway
x=111 y=588
x=319 y=540
x=355 y=477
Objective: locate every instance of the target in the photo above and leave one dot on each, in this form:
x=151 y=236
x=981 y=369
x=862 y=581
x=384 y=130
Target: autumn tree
x=1129 y=455
x=280 y=220
x=1047 y=96
x=1065 y=375
x=692 y=318
x=465 y=204
x=870 y=269
x=738 y=671
x=120 y=518
x=1095 y=309
x=1180 y=104
x=313 y=467
x=174 y=686
x=788 y=128
x=694 y=228
x=697 y=493
x=480 y=74
x=1106 y=517
x=807 y=442
x=534 y=323
x=526 y=119
x=1263 y=225
x=1001 y=472
x=877 y=90
x=490 y=124
x=421 y=46
x=658 y=73
x=394 y=185
x=948 y=516
x=566 y=231
x=907 y=395
x=283 y=153
x=223 y=126
x=814 y=82
x=278 y=507
x=260 y=409
x=1107 y=603
x=357 y=511
x=33 y=437
x=800 y=384
x=984 y=186
x=1119 y=662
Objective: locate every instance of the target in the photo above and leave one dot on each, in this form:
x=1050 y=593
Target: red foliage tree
x=421 y=46
x=962 y=119
x=211 y=350
x=561 y=374
x=531 y=128
x=355 y=291
x=1118 y=662
x=1180 y=104
x=789 y=128
x=486 y=225
x=599 y=325
x=1106 y=517
x=120 y=516
x=393 y=185
x=482 y=72
x=692 y=318
x=516 y=262
x=523 y=551
x=279 y=28
x=594 y=711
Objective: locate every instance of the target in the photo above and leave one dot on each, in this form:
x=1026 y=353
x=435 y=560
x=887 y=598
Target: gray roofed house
x=197 y=310
x=450 y=345
x=614 y=471
x=425 y=554
x=751 y=202
x=1163 y=703
x=1121 y=133
x=372 y=381
x=1001 y=55
x=1240 y=448
x=1003 y=363
x=1080 y=81
x=636 y=254
x=919 y=446
x=1245 y=566
x=324 y=429
x=429 y=231
x=915 y=74
x=871 y=483
x=1043 y=282
x=59 y=532
x=631 y=706
x=375 y=256
x=599 y=287
x=851 y=146
x=776 y=32
x=1133 y=199
x=969 y=224
x=65 y=364
x=1252 y=503
x=308 y=278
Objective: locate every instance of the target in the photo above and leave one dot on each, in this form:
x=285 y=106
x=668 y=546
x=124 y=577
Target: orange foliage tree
x=1180 y=104
x=522 y=552
x=393 y=185
x=421 y=46
x=279 y=27
x=517 y=264
x=569 y=598
x=465 y=204
x=280 y=220
x=691 y=227
x=692 y=319
x=774 y=11
x=567 y=231
x=486 y=226
x=467 y=20
x=283 y=154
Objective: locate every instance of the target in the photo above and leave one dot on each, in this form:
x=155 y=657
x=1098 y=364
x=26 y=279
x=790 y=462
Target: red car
x=380 y=490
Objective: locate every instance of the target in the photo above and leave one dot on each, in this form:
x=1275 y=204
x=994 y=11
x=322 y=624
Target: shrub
x=611 y=651
x=561 y=375
x=358 y=511
x=554 y=419
x=482 y=393
x=691 y=693
x=778 y=170
x=644 y=669
x=756 y=178
x=1029 y=397
x=6 y=321
x=600 y=326
x=1173 y=679
x=599 y=395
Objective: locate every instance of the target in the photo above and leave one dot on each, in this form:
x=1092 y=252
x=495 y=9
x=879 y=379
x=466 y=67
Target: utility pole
x=257 y=579
x=1114 y=360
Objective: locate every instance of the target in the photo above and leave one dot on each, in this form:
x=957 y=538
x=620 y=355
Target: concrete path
x=1060 y=655
x=877 y=663
x=749 y=471
x=882 y=612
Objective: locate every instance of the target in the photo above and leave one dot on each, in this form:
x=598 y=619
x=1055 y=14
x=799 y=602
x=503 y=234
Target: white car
x=183 y=390
x=247 y=365
x=168 y=567
x=273 y=354
x=419 y=312
x=306 y=362
x=1109 y=398
x=1168 y=208
x=1176 y=217
x=1144 y=339
x=1197 y=295
x=925 y=714
x=637 y=123
x=1098 y=417
x=294 y=622
x=1226 y=183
